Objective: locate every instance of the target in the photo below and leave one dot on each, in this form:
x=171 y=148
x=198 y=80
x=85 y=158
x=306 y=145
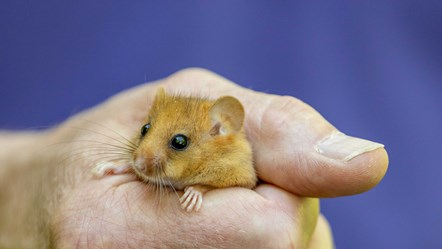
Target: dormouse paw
x=109 y=168
x=191 y=199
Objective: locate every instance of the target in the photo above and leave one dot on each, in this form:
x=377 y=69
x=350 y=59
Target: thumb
x=297 y=149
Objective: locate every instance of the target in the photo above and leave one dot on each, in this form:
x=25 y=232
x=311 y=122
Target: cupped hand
x=298 y=155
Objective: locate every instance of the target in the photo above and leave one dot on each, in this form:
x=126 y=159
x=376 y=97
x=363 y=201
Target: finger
x=302 y=209
x=294 y=146
x=322 y=236
x=297 y=149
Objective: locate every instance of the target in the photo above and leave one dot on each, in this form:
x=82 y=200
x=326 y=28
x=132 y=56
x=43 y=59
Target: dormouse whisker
x=105 y=135
x=112 y=130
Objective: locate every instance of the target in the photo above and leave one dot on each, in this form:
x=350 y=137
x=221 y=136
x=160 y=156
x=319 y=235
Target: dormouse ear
x=227 y=116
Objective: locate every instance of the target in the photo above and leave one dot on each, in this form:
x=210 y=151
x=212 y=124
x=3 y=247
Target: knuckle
x=193 y=72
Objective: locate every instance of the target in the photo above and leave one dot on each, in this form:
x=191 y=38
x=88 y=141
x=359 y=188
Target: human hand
x=120 y=212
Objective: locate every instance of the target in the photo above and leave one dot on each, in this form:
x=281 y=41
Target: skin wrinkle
x=315 y=179
x=288 y=214
x=164 y=217
x=284 y=111
x=86 y=220
x=320 y=177
x=127 y=234
x=231 y=225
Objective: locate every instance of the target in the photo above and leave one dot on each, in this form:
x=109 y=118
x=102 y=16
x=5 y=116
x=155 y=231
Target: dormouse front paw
x=192 y=198
x=110 y=168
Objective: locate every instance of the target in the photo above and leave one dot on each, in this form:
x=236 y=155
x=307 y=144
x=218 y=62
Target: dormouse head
x=178 y=135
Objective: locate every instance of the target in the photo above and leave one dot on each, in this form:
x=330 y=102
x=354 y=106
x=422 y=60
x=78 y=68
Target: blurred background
x=373 y=69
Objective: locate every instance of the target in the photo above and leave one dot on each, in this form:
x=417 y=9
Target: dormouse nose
x=140 y=163
x=148 y=162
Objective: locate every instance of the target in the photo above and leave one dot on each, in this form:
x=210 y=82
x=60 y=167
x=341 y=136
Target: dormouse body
x=191 y=144
x=194 y=144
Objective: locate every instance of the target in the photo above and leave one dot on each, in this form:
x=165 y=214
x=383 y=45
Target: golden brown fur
x=218 y=154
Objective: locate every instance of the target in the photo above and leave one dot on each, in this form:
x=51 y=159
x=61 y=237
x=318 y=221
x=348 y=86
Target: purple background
x=373 y=69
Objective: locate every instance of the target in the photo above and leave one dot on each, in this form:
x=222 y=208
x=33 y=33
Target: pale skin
x=49 y=198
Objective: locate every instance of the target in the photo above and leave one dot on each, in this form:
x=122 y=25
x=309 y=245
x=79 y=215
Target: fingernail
x=342 y=147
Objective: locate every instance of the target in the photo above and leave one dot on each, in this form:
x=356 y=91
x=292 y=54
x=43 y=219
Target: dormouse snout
x=149 y=163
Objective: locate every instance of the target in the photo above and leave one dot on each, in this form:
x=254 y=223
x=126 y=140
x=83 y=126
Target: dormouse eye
x=145 y=129
x=179 y=142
